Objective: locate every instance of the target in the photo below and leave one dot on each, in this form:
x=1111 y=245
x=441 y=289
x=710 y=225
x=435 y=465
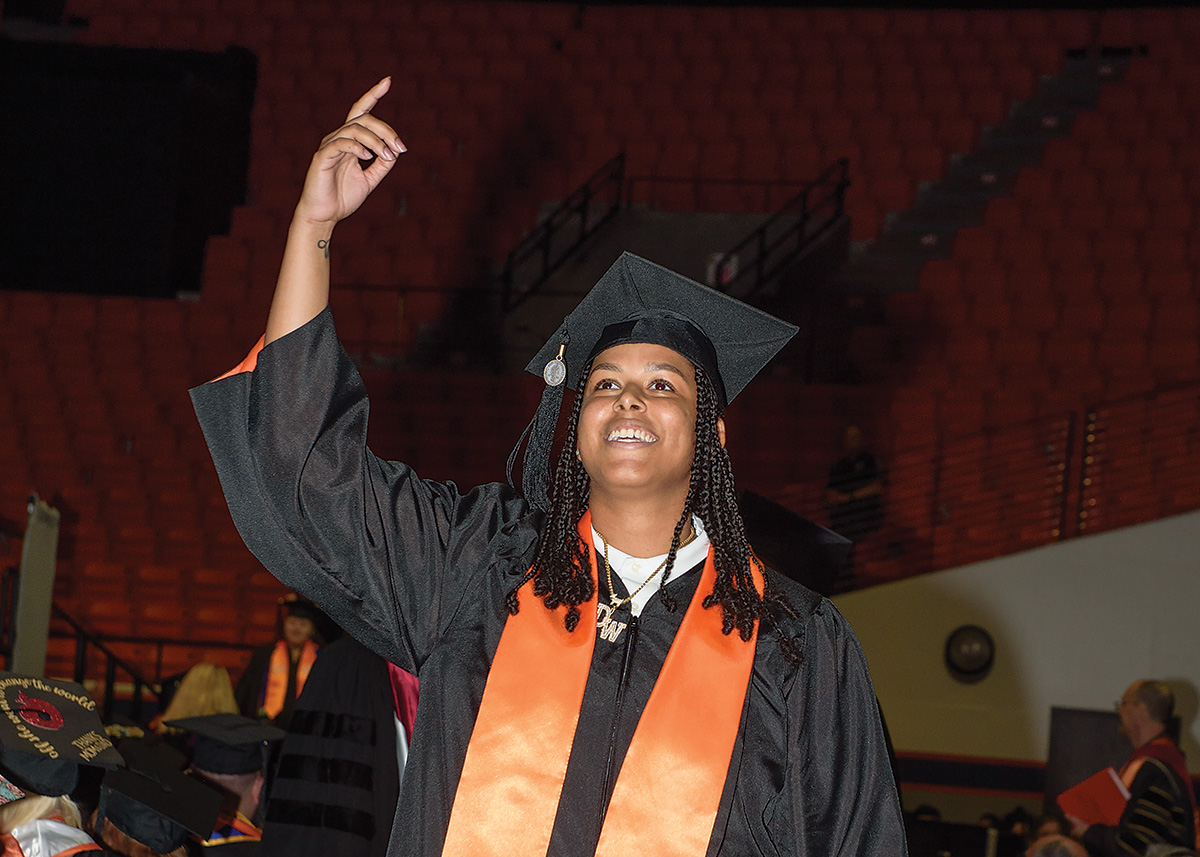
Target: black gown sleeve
x=1156 y=812
x=840 y=785
x=387 y=555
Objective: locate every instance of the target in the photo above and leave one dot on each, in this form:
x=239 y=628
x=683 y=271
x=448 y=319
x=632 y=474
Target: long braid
x=716 y=505
x=561 y=567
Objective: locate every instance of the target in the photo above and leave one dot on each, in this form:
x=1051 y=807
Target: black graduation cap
x=228 y=743
x=155 y=802
x=298 y=605
x=47 y=729
x=792 y=544
x=639 y=301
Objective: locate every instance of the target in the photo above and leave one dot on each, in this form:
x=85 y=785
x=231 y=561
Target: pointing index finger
x=367 y=103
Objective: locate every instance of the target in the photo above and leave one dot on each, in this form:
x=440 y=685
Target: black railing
x=580 y=215
x=1140 y=459
x=955 y=500
x=760 y=256
x=85 y=639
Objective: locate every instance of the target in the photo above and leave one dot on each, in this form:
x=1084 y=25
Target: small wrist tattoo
x=323 y=244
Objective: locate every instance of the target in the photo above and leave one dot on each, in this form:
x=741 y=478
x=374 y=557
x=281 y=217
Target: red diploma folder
x=1100 y=799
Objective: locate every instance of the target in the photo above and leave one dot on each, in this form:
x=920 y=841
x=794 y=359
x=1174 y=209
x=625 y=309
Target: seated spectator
x=1050 y=825
x=927 y=812
x=1018 y=822
x=854 y=490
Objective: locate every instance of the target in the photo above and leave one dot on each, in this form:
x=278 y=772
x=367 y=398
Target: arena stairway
x=927 y=229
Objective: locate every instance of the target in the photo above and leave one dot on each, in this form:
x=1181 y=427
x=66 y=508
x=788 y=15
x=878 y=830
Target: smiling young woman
x=606 y=668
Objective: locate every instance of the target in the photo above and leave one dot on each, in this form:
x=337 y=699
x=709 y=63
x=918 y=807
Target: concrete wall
x=1074 y=623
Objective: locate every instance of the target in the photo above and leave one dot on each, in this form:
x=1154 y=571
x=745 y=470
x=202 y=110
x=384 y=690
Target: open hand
x=337 y=183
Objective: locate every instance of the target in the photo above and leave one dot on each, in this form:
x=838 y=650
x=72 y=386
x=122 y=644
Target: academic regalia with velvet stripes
x=337 y=777
x=418 y=572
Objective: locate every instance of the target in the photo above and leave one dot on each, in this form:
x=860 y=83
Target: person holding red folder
x=1162 y=805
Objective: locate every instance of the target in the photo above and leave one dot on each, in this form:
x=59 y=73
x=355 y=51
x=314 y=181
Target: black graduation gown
x=418 y=572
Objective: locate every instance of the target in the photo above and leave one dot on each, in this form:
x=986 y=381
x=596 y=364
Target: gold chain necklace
x=618 y=603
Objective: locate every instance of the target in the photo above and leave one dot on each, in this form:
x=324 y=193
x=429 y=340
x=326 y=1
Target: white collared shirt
x=634 y=570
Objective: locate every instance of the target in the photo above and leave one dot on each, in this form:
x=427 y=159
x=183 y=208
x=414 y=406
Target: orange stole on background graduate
x=516 y=761
x=277 y=675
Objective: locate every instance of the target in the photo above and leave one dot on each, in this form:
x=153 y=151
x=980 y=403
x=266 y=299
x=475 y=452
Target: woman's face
x=297 y=630
x=637 y=421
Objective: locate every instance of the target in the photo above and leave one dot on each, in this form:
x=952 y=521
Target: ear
x=721 y=430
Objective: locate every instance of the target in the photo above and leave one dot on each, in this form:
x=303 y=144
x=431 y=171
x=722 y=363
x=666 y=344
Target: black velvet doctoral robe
x=418 y=572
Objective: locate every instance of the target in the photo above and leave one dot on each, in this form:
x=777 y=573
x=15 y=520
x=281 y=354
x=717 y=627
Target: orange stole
x=277 y=675
x=517 y=758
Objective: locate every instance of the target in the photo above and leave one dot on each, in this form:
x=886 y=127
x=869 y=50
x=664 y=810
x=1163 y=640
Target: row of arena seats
x=1083 y=285
x=477 y=17
x=820 y=82
x=692 y=92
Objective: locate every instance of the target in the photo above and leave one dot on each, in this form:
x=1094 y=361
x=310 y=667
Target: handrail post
x=80 y=657
x=136 y=710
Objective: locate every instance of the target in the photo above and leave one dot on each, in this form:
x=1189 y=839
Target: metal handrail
x=113 y=662
x=539 y=244
x=731 y=271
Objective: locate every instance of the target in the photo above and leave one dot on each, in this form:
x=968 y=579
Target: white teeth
x=632 y=434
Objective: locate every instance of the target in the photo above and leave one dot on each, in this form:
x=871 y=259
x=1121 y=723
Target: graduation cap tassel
x=535 y=472
x=539 y=436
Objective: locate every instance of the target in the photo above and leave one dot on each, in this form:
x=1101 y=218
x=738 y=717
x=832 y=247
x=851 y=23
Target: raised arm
x=387 y=555
x=336 y=185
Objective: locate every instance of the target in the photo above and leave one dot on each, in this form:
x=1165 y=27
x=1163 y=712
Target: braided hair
x=561 y=568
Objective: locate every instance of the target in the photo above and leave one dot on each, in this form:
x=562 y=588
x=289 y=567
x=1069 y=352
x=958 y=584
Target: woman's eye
x=606 y=384
x=661 y=384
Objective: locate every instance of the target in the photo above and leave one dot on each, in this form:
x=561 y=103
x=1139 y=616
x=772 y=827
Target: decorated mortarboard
x=228 y=743
x=47 y=729
x=155 y=802
x=637 y=301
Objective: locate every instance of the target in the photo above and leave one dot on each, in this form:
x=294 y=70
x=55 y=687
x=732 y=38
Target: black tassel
x=535 y=468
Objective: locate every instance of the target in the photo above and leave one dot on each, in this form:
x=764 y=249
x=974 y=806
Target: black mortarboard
x=639 y=301
x=297 y=605
x=792 y=544
x=154 y=802
x=47 y=729
x=228 y=743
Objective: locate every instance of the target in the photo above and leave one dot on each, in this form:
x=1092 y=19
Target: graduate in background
x=605 y=668
x=151 y=808
x=275 y=676
x=229 y=754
